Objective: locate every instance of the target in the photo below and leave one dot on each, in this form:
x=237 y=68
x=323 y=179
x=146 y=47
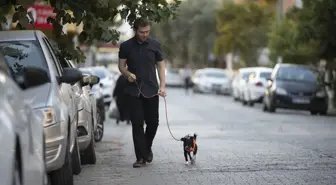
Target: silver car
x=21 y=138
x=87 y=114
x=53 y=100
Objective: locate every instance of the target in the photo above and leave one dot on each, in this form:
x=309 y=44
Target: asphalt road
x=237 y=145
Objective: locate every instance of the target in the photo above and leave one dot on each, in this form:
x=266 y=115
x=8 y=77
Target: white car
x=211 y=80
x=256 y=85
x=173 y=78
x=239 y=82
x=107 y=82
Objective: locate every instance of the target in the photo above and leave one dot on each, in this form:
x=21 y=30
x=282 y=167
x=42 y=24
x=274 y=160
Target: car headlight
x=280 y=91
x=321 y=94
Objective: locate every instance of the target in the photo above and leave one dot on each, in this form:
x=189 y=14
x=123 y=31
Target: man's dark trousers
x=142 y=110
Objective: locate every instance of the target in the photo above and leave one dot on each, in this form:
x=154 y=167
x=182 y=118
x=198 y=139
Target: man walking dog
x=138 y=59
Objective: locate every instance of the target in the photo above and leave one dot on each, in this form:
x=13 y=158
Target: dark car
x=296 y=87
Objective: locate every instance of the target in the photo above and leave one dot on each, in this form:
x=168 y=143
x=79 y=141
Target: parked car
x=254 y=90
x=54 y=99
x=22 y=137
x=173 y=78
x=86 y=119
x=211 y=80
x=107 y=82
x=239 y=82
x=296 y=87
x=96 y=90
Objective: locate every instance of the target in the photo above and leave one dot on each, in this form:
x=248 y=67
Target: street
x=237 y=145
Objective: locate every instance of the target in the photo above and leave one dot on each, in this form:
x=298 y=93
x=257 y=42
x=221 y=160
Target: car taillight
x=259 y=84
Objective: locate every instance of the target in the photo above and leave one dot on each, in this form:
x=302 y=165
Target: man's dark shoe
x=139 y=163
x=150 y=156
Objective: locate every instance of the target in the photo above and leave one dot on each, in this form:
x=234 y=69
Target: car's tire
x=89 y=154
x=16 y=176
x=251 y=103
x=324 y=112
x=313 y=112
x=272 y=108
x=98 y=135
x=64 y=175
x=76 y=160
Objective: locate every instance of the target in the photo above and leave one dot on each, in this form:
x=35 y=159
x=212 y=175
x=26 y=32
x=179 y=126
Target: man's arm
x=162 y=73
x=160 y=66
x=122 y=61
x=123 y=67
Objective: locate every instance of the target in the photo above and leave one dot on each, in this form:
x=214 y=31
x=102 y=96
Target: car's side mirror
x=32 y=77
x=70 y=76
x=90 y=80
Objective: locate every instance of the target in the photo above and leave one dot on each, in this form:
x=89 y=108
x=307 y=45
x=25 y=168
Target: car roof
x=19 y=35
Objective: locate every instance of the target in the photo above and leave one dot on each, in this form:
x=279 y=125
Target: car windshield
x=21 y=54
x=265 y=75
x=295 y=73
x=216 y=74
x=100 y=73
x=245 y=75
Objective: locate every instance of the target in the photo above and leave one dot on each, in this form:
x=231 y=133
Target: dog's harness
x=193 y=147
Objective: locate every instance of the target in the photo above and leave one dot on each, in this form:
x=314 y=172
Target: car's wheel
x=265 y=109
x=313 y=112
x=251 y=103
x=16 y=176
x=76 y=160
x=98 y=135
x=324 y=112
x=64 y=175
x=271 y=108
x=89 y=154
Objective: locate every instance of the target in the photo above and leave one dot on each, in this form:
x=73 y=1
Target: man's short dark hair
x=140 y=22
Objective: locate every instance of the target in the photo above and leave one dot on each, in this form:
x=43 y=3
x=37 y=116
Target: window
x=296 y=73
x=245 y=75
x=20 y=54
x=265 y=75
x=54 y=59
x=216 y=75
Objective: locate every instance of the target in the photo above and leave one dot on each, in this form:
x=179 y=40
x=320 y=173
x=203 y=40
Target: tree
x=96 y=16
x=283 y=42
x=190 y=36
x=242 y=28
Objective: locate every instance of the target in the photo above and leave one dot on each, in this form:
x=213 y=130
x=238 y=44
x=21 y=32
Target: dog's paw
x=193 y=161
x=186 y=163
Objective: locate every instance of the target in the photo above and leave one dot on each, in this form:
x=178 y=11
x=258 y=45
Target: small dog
x=189 y=145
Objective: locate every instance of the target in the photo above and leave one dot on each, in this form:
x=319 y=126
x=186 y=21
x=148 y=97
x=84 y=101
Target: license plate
x=301 y=101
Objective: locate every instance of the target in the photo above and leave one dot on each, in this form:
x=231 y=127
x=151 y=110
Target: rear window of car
x=245 y=75
x=265 y=75
x=216 y=74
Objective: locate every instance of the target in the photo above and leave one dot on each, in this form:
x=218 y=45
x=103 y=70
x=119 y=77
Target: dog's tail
x=195 y=136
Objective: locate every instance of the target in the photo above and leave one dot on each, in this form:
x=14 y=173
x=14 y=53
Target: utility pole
x=280 y=15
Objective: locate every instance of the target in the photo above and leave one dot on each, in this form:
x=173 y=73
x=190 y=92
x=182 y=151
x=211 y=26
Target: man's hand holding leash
x=131 y=77
x=162 y=91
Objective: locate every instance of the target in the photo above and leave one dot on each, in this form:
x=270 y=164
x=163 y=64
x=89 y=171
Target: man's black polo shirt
x=141 y=61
